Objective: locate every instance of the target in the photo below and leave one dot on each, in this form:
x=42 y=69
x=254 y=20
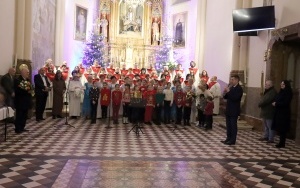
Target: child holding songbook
x=179 y=96
x=105 y=99
x=94 y=95
x=116 y=102
x=208 y=111
x=126 y=102
x=159 y=100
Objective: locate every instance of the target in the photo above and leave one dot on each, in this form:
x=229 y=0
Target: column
x=201 y=27
x=59 y=32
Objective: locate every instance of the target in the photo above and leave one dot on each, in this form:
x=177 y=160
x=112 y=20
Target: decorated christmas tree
x=164 y=55
x=94 y=50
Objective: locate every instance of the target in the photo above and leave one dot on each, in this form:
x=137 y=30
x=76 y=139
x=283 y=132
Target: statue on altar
x=155 y=31
x=104 y=25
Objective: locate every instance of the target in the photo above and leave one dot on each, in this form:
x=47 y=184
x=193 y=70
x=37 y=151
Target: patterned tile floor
x=52 y=154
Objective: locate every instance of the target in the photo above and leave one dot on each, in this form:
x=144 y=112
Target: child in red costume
x=105 y=99
x=149 y=96
x=208 y=111
x=179 y=98
x=116 y=102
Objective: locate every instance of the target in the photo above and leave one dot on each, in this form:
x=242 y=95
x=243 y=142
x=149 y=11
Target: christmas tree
x=164 y=55
x=94 y=50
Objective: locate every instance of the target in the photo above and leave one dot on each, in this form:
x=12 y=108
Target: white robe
x=215 y=90
x=75 y=92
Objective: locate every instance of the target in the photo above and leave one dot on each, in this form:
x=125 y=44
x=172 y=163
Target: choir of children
x=162 y=103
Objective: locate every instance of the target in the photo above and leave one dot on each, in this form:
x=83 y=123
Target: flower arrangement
x=25 y=85
x=171 y=65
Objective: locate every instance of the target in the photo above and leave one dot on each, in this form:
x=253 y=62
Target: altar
x=132 y=30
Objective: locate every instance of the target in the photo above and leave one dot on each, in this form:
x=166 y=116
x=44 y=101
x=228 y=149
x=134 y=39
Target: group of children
x=158 y=103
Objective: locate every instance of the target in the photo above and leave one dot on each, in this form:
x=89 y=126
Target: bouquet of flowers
x=25 y=85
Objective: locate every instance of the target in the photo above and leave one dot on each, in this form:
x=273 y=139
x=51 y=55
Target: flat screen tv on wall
x=253 y=19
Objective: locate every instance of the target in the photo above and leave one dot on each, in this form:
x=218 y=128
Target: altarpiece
x=132 y=30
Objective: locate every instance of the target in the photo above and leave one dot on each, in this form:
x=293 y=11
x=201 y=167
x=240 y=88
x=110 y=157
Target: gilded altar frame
x=126 y=46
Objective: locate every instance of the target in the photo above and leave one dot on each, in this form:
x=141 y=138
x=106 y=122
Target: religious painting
x=131 y=18
x=80 y=23
x=179 y=29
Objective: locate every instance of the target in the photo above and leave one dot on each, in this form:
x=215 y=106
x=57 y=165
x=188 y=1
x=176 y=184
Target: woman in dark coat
x=59 y=88
x=282 y=118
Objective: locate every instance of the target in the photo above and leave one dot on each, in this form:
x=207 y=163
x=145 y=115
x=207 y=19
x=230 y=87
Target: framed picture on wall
x=80 y=23
x=179 y=29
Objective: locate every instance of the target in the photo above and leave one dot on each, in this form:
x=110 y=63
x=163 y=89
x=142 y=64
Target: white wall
x=286 y=13
x=7 y=20
x=188 y=53
x=73 y=49
x=219 y=38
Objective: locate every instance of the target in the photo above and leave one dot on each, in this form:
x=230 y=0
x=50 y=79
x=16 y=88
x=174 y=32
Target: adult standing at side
x=75 y=92
x=233 y=93
x=267 y=111
x=59 y=88
x=41 y=89
x=282 y=117
x=215 y=89
x=22 y=87
x=7 y=82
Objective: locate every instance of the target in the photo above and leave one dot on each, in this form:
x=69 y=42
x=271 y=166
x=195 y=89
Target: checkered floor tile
x=55 y=149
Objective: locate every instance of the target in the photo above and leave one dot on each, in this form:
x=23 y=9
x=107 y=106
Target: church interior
x=161 y=41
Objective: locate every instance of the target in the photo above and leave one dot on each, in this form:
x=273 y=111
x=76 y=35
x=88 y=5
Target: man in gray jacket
x=267 y=111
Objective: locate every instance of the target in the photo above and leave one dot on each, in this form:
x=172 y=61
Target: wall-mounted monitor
x=253 y=19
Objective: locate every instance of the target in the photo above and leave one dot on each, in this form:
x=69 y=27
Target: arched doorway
x=284 y=64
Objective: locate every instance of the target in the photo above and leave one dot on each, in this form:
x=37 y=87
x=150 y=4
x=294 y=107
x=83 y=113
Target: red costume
x=193 y=70
x=150 y=103
x=143 y=89
x=211 y=84
x=179 y=98
x=142 y=76
x=105 y=97
x=110 y=70
x=118 y=76
x=131 y=75
x=205 y=78
x=116 y=103
x=209 y=108
x=51 y=76
x=136 y=71
x=124 y=72
x=149 y=71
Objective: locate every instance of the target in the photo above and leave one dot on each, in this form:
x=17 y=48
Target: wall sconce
x=267 y=55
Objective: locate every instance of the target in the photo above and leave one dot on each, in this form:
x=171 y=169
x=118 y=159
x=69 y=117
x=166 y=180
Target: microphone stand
x=109 y=107
x=66 y=106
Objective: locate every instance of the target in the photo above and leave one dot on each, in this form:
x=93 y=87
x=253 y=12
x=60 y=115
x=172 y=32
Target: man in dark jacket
x=267 y=111
x=41 y=89
x=7 y=82
x=233 y=93
x=22 y=87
